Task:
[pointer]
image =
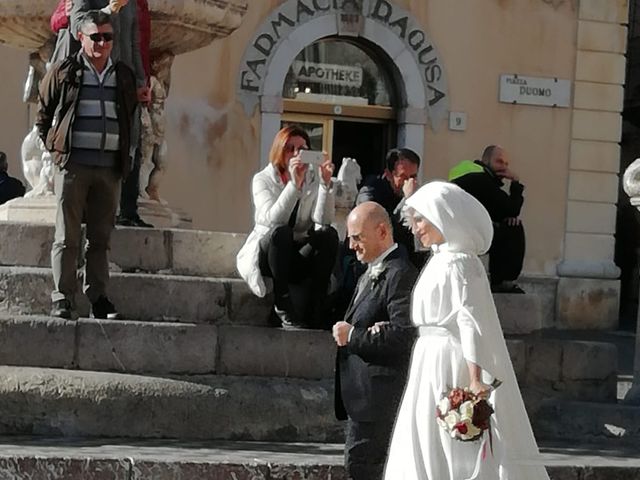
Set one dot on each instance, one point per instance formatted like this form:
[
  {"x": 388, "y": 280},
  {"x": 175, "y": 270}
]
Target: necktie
[{"x": 362, "y": 284}]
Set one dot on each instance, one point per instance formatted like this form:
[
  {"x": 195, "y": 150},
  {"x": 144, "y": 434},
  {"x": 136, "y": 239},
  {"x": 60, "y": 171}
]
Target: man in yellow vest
[{"x": 484, "y": 180}]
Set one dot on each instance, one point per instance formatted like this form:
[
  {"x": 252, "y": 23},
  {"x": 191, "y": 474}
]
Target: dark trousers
[
  {"x": 366, "y": 447},
  {"x": 130, "y": 190},
  {"x": 506, "y": 254},
  {"x": 290, "y": 261},
  {"x": 92, "y": 192}
]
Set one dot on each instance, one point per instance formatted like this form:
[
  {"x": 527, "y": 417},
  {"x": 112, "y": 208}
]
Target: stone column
[
  {"x": 589, "y": 289},
  {"x": 271, "y": 108},
  {"x": 411, "y": 126},
  {"x": 631, "y": 186}
]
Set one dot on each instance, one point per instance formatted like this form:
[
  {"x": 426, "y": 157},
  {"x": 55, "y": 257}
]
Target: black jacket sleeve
[
  {"x": 498, "y": 203},
  {"x": 395, "y": 339},
  {"x": 47, "y": 102}
]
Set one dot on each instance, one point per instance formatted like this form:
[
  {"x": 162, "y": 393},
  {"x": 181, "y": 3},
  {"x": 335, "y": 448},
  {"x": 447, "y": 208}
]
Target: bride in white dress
[{"x": 460, "y": 344}]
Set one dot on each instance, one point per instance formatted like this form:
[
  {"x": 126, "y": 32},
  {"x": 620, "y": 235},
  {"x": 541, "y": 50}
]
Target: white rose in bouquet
[
  {"x": 472, "y": 430},
  {"x": 444, "y": 405},
  {"x": 451, "y": 420},
  {"x": 466, "y": 410}
]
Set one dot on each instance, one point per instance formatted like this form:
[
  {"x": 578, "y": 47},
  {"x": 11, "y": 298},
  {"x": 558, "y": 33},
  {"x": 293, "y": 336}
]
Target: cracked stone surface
[{"x": 97, "y": 459}]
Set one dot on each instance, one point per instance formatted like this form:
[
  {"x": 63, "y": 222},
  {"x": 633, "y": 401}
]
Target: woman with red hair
[{"x": 292, "y": 240}]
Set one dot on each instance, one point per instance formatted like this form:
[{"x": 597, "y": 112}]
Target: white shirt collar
[
  {"x": 104, "y": 72},
  {"x": 382, "y": 256}
]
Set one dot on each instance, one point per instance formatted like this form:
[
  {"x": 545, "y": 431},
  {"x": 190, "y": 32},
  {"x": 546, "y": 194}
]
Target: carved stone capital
[
  {"x": 631, "y": 180},
  {"x": 177, "y": 26}
]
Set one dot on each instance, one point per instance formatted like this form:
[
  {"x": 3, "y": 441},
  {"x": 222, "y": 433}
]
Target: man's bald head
[
  {"x": 369, "y": 231},
  {"x": 371, "y": 213},
  {"x": 497, "y": 159}
]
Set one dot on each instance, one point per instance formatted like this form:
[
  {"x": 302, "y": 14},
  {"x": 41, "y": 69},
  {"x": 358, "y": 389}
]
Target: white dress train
[{"x": 457, "y": 320}]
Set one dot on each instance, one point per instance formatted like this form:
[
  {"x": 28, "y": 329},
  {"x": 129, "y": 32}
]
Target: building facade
[{"x": 543, "y": 78}]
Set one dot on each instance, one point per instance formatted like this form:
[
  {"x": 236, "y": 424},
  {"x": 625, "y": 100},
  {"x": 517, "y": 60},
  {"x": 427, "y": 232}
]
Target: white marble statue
[
  {"x": 37, "y": 165},
  {"x": 349, "y": 176},
  {"x": 631, "y": 179},
  {"x": 153, "y": 146},
  {"x": 346, "y": 188}
]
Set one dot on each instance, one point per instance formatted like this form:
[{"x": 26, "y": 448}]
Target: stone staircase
[
  {"x": 596, "y": 421},
  {"x": 196, "y": 360},
  {"x": 126, "y": 459}
]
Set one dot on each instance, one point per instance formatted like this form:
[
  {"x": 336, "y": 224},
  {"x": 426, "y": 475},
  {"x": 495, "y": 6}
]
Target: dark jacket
[
  {"x": 377, "y": 189},
  {"x": 371, "y": 370},
  {"x": 57, "y": 106},
  {"x": 10, "y": 188},
  {"x": 486, "y": 187}
]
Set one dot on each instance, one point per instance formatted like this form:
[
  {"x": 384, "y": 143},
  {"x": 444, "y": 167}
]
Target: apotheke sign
[
  {"x": 373, "y": 20},
  {"x": 328, "y": 74},
  {"x": 549, "y": 92}
]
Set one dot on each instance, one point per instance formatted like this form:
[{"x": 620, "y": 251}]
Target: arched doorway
[
  {"x": 405, "y": 50},
  {"x": 341, "y": 92}
]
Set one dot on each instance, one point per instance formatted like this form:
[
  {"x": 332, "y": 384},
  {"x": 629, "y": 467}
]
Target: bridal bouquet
[{"x": 463, "y": 415}]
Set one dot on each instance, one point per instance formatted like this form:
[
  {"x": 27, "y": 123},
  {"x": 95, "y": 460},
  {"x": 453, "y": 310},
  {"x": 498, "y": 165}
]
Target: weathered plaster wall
[{"x": 214, "y": 146}]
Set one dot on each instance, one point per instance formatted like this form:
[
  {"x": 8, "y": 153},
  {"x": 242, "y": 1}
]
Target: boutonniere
[{"x": 375, "y": 273}]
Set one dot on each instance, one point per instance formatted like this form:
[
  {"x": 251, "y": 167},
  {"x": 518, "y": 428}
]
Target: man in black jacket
[
  {"x": 391, "y": 188},
  {"x": 9, "y": 187},
  {"x": 484, "y": 180},
  {"x": 375, "y": 340}
]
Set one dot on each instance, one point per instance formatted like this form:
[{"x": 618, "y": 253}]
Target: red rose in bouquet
[
  {"x": 482, "y": 412},
  {"x": 456, "y": 397}
]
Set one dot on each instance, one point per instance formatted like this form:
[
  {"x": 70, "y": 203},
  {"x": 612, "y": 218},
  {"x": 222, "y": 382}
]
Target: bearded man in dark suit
[{"x": 374, "y": 340}]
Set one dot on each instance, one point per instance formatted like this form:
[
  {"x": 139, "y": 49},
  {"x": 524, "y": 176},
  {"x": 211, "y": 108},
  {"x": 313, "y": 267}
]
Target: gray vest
[{"x": 95, "y": 137}]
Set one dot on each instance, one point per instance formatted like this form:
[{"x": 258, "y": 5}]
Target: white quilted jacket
[{"x": 273, "y": 203}]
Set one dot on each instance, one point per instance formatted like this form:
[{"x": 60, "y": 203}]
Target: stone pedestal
[
  {"x": 43, "y": 210},
  {"x": 30, "y": 210},
  {"x": 588, "y": 303},
  {"x": 161, "y": 216}
]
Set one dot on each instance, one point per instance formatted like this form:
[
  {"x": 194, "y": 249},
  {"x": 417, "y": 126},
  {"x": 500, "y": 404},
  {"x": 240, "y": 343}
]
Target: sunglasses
[
  {"x": 289, "y": 148},
  {"x": 98, "y": 37}
]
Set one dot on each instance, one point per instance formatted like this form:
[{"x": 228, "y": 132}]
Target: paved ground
[{"x": 256, "y": 453}]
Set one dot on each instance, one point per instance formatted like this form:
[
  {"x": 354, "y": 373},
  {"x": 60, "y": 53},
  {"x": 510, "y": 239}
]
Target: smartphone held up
[{"x": 312, "y": 157}]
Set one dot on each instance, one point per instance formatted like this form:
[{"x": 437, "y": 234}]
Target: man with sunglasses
[
  {"x": 84, "y": 118},
  {"x": 127, "y": 16}
]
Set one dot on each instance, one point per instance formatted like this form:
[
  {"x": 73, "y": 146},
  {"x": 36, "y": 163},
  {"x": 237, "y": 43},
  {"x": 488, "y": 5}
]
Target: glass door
[
  {"x": 365, "y": 139},
  {"x": 320, "y": 129}
]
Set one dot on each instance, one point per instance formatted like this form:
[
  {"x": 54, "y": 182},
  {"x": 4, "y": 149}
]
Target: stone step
[
  {"x": 172, "y": 251},
  {"x": 164, "y": 297},
  {"x": 165, "y": 348},
  {"x": 139, "y": 296},
  {"x": 546, "y": 289},
  {"x": 625, "y": 382},
  {"x": 58, "y": 402},
  {"x": 212, "y": 254},
  {"x": 126, "y": 459},
  {"x": 519, "y": 313},
  {"x": 572, "y": 369},
  {"x": 611, "y": 423}
]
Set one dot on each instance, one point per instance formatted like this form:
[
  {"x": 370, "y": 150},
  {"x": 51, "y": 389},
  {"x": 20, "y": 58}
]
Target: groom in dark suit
[{"x": 374, "y": 341}]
